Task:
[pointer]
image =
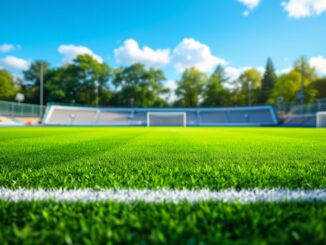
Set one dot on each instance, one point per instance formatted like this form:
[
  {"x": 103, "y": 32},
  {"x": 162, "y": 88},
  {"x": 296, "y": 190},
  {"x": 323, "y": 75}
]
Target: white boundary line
[{"x": 163, "y": 195}]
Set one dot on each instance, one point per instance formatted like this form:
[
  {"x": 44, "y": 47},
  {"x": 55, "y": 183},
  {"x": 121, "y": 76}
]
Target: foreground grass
[
  {"x": 139, "y": 223},
  {"x": 214, "y": 158},
  {"x": 176, "y": 158}
]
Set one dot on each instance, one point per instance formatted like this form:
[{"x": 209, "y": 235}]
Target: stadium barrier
[
  {"x": 13, "y": 109},
  {"x": 235, "y": 116},
  {"x": 301, "y": 114},
  {"x": 302, "y": 109},
  {"x": 18, "y": 114}
]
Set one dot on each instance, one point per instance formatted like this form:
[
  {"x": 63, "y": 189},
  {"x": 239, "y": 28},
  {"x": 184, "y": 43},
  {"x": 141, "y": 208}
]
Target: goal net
[
  {"x": 321, "y": 119},
  {"x": 166, "y": 119}
]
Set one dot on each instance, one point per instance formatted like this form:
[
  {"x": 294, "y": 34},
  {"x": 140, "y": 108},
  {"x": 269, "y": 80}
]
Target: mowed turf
[
  {"x": 155, "y": 158},
  {"x": 213, "y": 158}
]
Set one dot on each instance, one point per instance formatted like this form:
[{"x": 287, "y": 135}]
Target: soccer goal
[
  {"x": 321, "y": 119},
  {"x": 166, "y": 119}
]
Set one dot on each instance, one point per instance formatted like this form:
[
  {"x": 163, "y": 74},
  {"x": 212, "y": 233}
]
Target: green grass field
[{"x": 156, "y": 158}]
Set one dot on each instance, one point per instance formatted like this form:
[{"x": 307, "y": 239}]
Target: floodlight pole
[
  {"x": 96, "y": 91},
  {"x": 249, "y": 93},
  {"x": 41, "y": 90},
  {"x": 302, "y": 86}
]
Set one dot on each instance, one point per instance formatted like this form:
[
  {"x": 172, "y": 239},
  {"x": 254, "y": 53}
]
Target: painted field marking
[{"x": 163, "y": 195}]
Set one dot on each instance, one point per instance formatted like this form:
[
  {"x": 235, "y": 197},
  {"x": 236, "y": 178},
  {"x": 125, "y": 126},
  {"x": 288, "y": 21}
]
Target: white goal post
[
  {"x": 166, "y": 119},
  {"x": 321, "y": 119}
]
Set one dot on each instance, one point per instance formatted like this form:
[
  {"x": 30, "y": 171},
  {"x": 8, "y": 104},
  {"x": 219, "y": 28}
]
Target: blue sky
[{"x": 177, "y": 34}]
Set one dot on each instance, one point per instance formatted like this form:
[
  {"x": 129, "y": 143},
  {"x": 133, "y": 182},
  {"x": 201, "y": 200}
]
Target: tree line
[{"x": 88, "y": 82}]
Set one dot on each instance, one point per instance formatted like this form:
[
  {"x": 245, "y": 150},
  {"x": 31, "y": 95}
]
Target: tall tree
[
  {"x": 214, "y": 93},
  {"x": 31, "y": 87},
  {"x": 221, "y": 74},
  {"x": 190, "y": 87},
  {"x": 56, "y": 88},
  {"x": 139, "y": 86},
  {"x": 7, "y": 86},
  {"x": 248, "y": 87},
  {"x": 268, "y": 82},
  {"x": 286, "y": 88},
  {"x": 308, "y": 75},
  {"x": 84, "y": 81},
  {"x": 320, "y": 87},
  {"x": 302, "y": 66},
  {"x": 88, "y": 79}
]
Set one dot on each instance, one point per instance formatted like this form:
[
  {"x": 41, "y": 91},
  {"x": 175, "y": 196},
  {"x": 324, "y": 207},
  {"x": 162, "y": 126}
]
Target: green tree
[
  {"x": 31, "y": 86},
  {"x": 287, "y": 87},
  {"x": 8, "y": 89},
  {"x": 190, "y": 87},
  {"x": 55, "y": 87},
  {"x": 139, "y": 86},
  {"x": 302, "y": 66},
  {"x": 221, "y": 74},
  {"x": 214, "y": 93},
  {"x": 248, "y": 84},
  {"x": 308, "y": 75},
  {"x": 319, "y": 86},
  {"x": 268, "y": 82},
  {"x": 86, "y": 80}
]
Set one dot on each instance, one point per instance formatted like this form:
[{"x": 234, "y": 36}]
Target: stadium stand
[
  {"x": 138, "y": 118},
  {"x": 192, "y": 118},
  {"x": 8, "y": 121},
  {"x": 292, "y": 115},
  {"x": 236, "y": 116},
  {"x": 113, "y": 117}
]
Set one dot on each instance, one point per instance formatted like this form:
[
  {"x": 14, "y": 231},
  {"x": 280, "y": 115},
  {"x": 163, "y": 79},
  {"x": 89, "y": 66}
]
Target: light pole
[
  {"x": 41, "y": 90},
  {"x": 96, "y": 92},
  {"x": 249, "y": 93},
  {"x": 301, "y": 93},
  {"x": 302, "y": 83}
]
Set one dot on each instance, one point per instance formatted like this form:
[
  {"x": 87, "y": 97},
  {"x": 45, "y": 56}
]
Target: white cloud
[
  {"x": 304, "y": 8},
  {"x": 6, "y": 47},
  {"x": 70, "y": 52},
  {"x": 261, "y": 69},
  {"x": 234, "y": 73},
  {"x": 319, "y": 63},
  {"x": 172, "y": 86},
  {"x": 130, "y": 53},
  {"x": 191, "y": 53},
  {"x": 250, "y": 4},
  {"x": 285, "y": 70},
  {"x": 188, "y": 53},
  {"x": 12, "y": 62},
  {"x": 246, "y": 13}
]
